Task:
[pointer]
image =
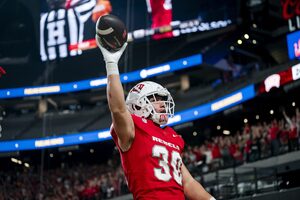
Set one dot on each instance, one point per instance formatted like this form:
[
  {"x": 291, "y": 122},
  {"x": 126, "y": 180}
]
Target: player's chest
[
  {"x": 162, "y": 157},
  {"x": 162, "y": 138}
]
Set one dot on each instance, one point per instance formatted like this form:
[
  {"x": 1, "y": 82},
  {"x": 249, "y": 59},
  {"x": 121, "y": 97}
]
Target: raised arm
[
  {"x": 287, "y": 118},
  {"x": 192, "y": 189},
  {"x": 121, "y": 118}
]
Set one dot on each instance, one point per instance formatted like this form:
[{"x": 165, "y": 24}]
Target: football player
[{"x": 150, "y": 151}]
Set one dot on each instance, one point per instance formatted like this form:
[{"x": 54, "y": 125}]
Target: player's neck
[{"x": 156, "y": 124}]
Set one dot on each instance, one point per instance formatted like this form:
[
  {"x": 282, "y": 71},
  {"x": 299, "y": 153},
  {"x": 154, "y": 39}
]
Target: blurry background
[{"x": 231, "y": 66}]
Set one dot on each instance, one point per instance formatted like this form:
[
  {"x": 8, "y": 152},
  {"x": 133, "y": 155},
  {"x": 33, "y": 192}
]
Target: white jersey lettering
[{"x": 156, "y": 139}]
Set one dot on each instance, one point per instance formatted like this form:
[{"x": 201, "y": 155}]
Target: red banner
[
  {"x": 290, "y": 8},
  {"x": 85, "y": 45},
  {"x": 276, "y": 80}
]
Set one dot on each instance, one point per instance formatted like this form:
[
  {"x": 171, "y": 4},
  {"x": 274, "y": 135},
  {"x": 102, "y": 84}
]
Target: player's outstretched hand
[{"x": 111, "y": 57}]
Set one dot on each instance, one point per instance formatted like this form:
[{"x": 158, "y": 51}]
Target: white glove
[{"x": 111, "y": 58}]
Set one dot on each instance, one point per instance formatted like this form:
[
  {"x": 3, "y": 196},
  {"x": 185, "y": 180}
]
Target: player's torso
[{"x": 152, "y": 165}]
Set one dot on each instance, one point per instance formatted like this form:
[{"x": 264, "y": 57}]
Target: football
[{"x": 111, "y": 32}]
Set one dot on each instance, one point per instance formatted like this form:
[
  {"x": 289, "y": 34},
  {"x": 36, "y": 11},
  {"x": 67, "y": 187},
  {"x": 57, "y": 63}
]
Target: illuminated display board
[
  {"x": 293, "y": 44},
  {"x": 67, "y": 28}
]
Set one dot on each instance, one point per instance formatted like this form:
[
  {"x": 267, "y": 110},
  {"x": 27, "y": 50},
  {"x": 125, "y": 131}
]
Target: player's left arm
[{"x": 193, "y": 190}]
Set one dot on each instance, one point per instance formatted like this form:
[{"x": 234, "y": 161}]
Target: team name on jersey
[{"x": 165, "y": 143}]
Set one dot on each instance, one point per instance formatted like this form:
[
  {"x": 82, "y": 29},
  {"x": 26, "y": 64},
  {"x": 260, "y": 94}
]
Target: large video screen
[
  {"x": 293, "y": 44},
  {"x": 67, "y": 27}
]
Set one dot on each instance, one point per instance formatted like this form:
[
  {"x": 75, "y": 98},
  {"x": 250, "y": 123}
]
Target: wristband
[
  {"x": 212, "y": 198},
  {"x": 112, "y": 68}
]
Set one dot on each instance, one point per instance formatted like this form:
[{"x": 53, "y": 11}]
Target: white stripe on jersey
[
  {"x": 61, "y": 13},
  {"x": 86, "y": 6},
  {"x": 51, "y": 16},
  {"x": 73, "y": 29},
  {"x": 43, "y": 54}
]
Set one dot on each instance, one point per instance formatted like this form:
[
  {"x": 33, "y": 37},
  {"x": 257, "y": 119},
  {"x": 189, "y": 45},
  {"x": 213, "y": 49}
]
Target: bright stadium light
[
  {"x": 226, "y": 132},
  {"x": 14, "y": 160}
]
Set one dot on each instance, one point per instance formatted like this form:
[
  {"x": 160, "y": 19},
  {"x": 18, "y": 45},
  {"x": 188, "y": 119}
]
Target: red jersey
[
  {"x": 161, "y": 12},
  {"x": 273, "y": 132},
  {"x": 152, "y": 165}
]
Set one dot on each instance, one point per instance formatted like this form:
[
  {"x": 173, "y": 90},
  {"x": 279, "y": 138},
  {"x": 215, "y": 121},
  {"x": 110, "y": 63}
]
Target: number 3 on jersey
[{"x": 163, "y": 173}]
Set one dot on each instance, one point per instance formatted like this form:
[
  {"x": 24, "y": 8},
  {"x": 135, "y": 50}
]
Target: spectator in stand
[
  {"x": 197, "y": 153},
  {"x": 293, "y": 132},
  {"x": 247, "y": 146},
  {"x": 273, "y": 137},
  {"x": 191, "y": 158},
  {"x": 265, "y": 143},
  {"x": 216, "y": 154},
  {"x": 240, "y": 142},
  {"x": 206, "y": 152},
  {"x": 235, "y": 151},
  {"x": 225, "y": 152},
  {"x": 246, "y": 142},
  {"x": 283, "y": 136},
  {"x": 255, "y": 150}
]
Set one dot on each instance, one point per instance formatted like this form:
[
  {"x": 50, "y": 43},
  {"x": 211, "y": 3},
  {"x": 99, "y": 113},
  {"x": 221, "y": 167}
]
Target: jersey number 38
[{"x": 163, "y": 173}]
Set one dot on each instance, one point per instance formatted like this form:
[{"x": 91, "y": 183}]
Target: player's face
[
  {"x": 158, "y": 103},
  {"x": 159, "y": 106}
]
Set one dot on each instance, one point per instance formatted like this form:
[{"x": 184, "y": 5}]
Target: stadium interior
[{"x": 246, "y": 149}]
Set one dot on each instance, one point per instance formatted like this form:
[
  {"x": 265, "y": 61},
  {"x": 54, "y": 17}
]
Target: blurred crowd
[
  {"x": 93, "y": 182},
  {"x": 87, "y": 182},
  {"x": 251, "y": 143}
]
